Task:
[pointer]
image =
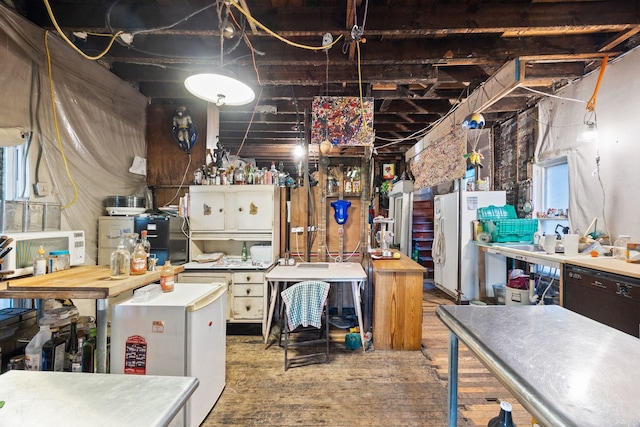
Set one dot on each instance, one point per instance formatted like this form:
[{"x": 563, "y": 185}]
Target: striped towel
[{"x": 304, "y": 302}]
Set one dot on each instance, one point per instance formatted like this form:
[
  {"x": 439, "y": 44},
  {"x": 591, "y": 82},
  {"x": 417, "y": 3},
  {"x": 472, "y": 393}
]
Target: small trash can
[{"x": 500, "y": 293}]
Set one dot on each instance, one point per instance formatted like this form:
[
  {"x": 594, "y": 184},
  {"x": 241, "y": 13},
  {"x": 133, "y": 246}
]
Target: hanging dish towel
[{"x": 304, "y": 302}]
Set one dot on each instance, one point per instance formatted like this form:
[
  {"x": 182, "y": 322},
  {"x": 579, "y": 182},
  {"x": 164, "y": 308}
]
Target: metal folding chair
[{"x": 305, "y": 309}]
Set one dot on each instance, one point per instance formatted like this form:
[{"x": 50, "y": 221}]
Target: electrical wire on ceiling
[
  {"x": 277, "y": 36},
  {"x": 70, "y": 43}
]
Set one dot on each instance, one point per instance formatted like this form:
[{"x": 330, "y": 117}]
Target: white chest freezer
[{"x": 179, "y": 333}]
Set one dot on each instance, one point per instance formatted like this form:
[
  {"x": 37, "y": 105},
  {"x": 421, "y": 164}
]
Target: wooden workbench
[
  {"x": 83, "y": 282},
  {"x": 397, "y": 304}
]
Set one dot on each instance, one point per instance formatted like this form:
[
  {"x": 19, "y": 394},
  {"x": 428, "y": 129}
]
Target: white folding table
[{"x": 344, "y": 272}]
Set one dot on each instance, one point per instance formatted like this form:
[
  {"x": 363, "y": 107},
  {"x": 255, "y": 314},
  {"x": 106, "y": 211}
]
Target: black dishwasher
[{"x": 608, "y": 298}]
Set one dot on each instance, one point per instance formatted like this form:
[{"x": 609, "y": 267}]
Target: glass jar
[
  {"x": 129, "y": 240},
  {"x": 620, "y": 246},
  {"x": 120, "y": 262}
]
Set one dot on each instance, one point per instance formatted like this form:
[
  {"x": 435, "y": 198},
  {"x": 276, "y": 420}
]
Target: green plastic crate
[{"x": 503, "y": 224}]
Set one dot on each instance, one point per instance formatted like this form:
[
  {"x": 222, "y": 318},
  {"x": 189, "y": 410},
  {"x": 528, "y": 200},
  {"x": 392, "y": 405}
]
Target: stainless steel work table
[
  {"x": 564, "y": 368},
  {"x": 78, "y": 399}
]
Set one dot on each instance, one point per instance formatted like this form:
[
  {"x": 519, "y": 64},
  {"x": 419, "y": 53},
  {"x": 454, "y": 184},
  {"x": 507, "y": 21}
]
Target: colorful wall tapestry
[
  {"x": 343, "y": 120},
  {"x": 441, "y": 160}
]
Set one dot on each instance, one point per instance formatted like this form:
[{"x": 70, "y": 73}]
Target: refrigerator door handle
[{"x": 207, "y": 299}]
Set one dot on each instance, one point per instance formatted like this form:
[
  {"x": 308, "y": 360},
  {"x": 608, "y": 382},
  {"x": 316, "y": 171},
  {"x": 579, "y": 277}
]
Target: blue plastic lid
[{"x": 54, "y": 253}]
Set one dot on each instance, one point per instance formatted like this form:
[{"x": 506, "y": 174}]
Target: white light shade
[
  {"x": 588, "y": 133},
  {"x": 219, "y": 89}
]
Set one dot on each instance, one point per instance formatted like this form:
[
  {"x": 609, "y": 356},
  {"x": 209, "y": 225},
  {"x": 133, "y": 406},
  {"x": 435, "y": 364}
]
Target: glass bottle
[
  {"x": 71, "y": 347},
  {"x": 239, "y": 176},
  {"x": 356, "y": 188},
  {"x": 146, "y": 244},
  {"x": 120, "y": 262},
  {"x": 139, "y": 260},
  {"x": 167, "y": 277},
  {"x": 504, "y": 418},
  {"x": 250, "y": 175},
  {"x": 76, "y": 359},
  {"x": 244, "y": 251},
  {"x": 53, "y": 352},
  {"x": 273, "y": 174},
  {"x": 88, "y": 352},
  {"x": 40, "y": 263}
]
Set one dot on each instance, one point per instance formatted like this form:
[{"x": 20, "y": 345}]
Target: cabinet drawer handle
[
  {"x": 239, "y": 209},
  {"x": 248, "y": 278},
  {"x": 248, "y": 291},
  {"x": 221, "y": 210},
  {"x": 248, "y": 307}
]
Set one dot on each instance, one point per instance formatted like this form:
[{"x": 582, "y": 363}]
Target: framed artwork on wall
[{"x": 388, "y": 170}]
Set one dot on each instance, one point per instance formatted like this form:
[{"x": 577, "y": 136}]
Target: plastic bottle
[
  {"x": 33, "y": 350},
  {"x": 245, "y": 256},
  {"x": 53, "y": 352},
  {"x": 139, "y": 260},
  {"x": 503, "y": 419},
  {"x": 40, "y": 263},
  {"x": 120, "y": 262},
  {"x": 167, "y": 278},
  {"x": 620, "y": 246}
]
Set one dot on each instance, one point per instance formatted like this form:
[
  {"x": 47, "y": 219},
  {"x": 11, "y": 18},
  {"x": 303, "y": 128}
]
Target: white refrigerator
[
  {"x": 179, "y": 333},
  {"x": 453, "y": 247}
]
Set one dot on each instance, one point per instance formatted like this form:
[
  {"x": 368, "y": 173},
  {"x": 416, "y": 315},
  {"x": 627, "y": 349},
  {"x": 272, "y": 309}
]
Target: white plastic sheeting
[
  {"x": 101, "y": 120},
  {"x": 617, "y": 107}
]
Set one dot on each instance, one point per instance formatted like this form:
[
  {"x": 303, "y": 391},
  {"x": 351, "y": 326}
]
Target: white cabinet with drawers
[{"x": 246, "y": 302}]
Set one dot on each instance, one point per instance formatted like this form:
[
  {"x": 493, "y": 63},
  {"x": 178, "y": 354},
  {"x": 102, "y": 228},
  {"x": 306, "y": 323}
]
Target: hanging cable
[
  {"x": 55, "y": 121},
  {"x": 591, "y": 105},
  {"x": 186, "y": 170},
  {"x": 70, "y": 43},
  {"x": 279, "y": 37}
]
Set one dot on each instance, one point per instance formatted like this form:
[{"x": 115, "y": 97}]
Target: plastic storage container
[
  {"x": 503, "y": 224},
  {"x": 500, "y": 292},
  {"x": 58, "y": 261}
]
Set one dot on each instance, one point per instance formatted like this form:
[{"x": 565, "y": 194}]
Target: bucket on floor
[
  {"x": 517, "y": 296},
  {"x": 499, "y": 293}
]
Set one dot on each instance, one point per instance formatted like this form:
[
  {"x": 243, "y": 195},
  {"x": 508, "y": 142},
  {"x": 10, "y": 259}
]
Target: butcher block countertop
[
  {"x": 86, "y": 281},
  {"x": 403, "y": 264}
]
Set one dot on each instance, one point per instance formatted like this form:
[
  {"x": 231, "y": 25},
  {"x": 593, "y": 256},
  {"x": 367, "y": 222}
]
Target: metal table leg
[
  {"x": 102, "y": 308},
  {"x": 453, "y": 380}
]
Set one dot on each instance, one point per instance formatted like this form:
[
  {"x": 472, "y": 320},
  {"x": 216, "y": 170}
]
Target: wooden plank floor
[{"x": 377, "y": 388}]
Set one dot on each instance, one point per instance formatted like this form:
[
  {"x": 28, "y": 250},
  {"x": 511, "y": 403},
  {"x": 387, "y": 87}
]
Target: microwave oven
[{"x": 24, "y": 249}]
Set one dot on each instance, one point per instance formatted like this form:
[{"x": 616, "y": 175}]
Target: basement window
[
  {"x": 552, "y": 194},
  {"x": 15, "y": 176}
]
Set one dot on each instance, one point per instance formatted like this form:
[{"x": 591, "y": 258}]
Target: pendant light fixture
[{"x": 220, "y": 87}]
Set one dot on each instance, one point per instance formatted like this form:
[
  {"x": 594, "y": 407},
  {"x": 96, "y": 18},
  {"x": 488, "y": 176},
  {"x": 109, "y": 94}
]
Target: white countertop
[
  {"x": 39, "y": 398},
  {"x": 601, "y": 263}
]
